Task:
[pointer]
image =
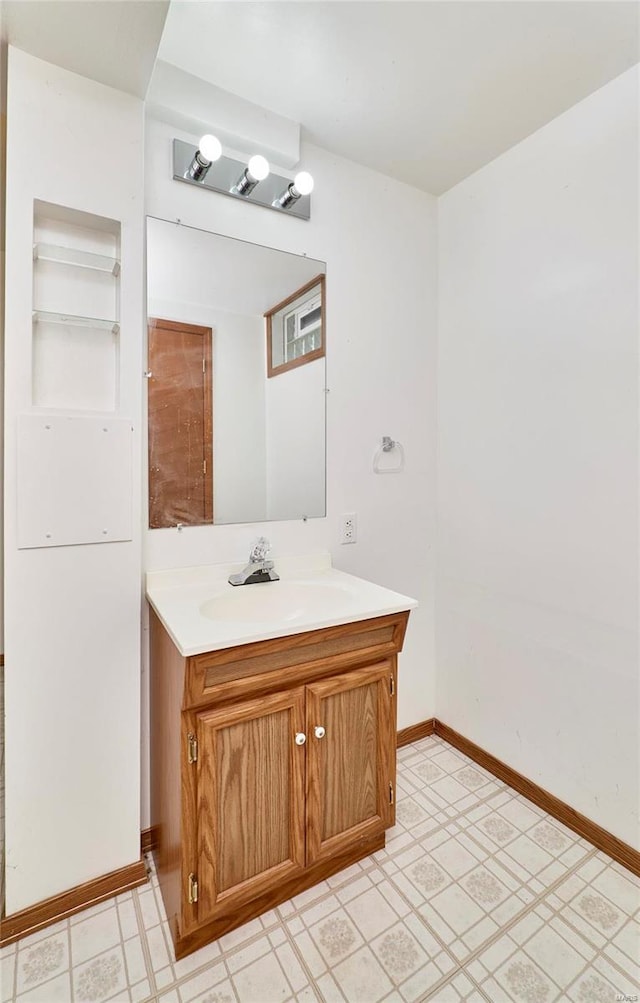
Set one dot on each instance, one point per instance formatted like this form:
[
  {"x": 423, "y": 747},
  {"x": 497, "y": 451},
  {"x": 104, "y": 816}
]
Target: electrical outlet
[{"x": 349, "y": 527}]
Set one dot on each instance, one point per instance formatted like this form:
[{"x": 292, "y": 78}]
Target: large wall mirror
[{"x": 236, "y": 340}]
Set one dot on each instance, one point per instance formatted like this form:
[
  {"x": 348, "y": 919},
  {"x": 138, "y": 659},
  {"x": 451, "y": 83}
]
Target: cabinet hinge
[
  {"x": 193, "y": 889},
  {"x": 392, "y": 685},
  {"x": 390, "y": 793},
  {"x": 192, "y": 748}
]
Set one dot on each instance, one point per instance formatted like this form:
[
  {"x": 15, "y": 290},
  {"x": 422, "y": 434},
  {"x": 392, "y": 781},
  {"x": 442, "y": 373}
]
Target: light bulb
[
  {"x": 258, "y": 167},
  {"x": 210, "y": 147},
  {"x": 303, "y": 183}
]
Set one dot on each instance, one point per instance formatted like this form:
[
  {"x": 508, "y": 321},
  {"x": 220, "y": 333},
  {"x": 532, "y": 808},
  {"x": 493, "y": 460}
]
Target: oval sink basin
[{"x": 270, "y": 602}]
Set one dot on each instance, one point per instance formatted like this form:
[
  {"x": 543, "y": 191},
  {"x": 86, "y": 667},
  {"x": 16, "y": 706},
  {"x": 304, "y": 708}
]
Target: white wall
[
  {"x": 3, "y": 132},
  {"x": 538, "y": 458},
  {"x": 378, "y": 239},
  {"x": 295, "y": 436},
  {"x": 72, "y": 630}
]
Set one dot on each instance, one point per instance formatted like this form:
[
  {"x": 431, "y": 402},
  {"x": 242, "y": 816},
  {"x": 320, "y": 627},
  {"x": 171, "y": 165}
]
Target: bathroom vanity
[{"x": 273, "y": 717}]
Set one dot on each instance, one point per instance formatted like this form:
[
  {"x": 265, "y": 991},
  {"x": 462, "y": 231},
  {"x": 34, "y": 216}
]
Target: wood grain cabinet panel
[
  {"x": 350, "y": 771},
  {"x": 250, "y": 799},
  {"x": 244, "y": 816}
]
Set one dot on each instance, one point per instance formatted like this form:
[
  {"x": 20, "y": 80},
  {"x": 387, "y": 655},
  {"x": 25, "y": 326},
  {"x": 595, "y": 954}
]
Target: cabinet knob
[
  {"x": 319, "y": 731},
  {"x": 301, "y": 738}
]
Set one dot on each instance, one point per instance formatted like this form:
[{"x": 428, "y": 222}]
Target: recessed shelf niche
[{"x": 76, "y": 309}]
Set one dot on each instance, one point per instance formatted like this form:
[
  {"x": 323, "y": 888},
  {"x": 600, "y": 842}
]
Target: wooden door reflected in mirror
[{"x": 180, "y": 424}]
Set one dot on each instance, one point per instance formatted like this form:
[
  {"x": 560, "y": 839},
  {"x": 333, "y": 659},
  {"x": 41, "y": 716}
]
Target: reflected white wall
[{"x": 295, "y": 437}]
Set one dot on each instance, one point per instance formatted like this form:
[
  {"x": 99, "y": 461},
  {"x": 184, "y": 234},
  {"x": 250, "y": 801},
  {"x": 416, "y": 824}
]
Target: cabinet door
[
  {"x": 249, "y": 799},
  {"x": 351, "y": 768}
]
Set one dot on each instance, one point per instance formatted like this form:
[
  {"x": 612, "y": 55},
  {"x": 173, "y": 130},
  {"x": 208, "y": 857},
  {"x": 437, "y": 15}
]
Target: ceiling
[
  {"x": 112, "y": 41},
  {"x": 426, "y": 92}
]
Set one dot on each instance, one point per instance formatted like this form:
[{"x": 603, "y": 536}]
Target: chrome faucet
[{"x": 259, "y": 569}]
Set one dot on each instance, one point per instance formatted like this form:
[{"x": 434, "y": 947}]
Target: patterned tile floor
[{"x": 478, "y": 895}]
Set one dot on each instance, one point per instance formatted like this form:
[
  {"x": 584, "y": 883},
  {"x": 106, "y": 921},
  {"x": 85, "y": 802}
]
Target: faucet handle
[{"x": 259, "y": 550}]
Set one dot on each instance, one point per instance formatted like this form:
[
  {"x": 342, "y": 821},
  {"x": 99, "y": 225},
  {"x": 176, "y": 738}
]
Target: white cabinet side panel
[{"x": 72, "y": 613}]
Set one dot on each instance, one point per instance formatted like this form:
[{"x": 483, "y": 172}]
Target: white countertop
[{"x": 202, "y": 612}]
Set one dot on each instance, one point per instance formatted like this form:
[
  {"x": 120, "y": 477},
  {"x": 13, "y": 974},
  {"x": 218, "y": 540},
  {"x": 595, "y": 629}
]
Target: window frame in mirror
[{"x": 275, "y": 318}]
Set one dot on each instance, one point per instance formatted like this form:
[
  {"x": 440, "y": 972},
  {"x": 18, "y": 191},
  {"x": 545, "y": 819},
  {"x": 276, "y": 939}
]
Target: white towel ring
[{"x": 389, "y": 445}]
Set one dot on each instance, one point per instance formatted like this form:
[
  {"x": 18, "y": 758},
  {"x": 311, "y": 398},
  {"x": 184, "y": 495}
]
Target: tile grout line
[
  {"x": 122, "y": 948},
  {"x": 505, "y": 866},
  {"x": 279, "y": 922},
  {"x": 436, "y": 936},
  {"x": 449, "y": 979},
  {"x": 143, "y": 939},
  {"x": 482, "y": 863},
  {"x": 458, "y": 965},
  {"x": 101, "y": 950},
  {"x": 461, "y": 964},
  {"x": 15, "y": 972},
  {"x": 230, "y": 979},
  {"x": 539, "y": 900},
  {"x": 50, "y": 977},
  {"x": 484, "y": 801},
  {"x": 303, "y": 964},
  {"x": 283, "y": 923},
  {"x": 274, "y": 950},
  {"x": 556, "y": 913},
  {"x": 458, "y": 813},
  {"x": 541, "y": 896},
  {"x": 71, "y": 979},
  {"x": 588, "y": 964},
  {"x": 221, "y": 959},
  {"x": 312, "y": 979}
]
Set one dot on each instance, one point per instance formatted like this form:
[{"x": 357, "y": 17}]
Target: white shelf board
[
  {"x": 74, "y": 320},
  {"x": 75, "y": 256}
]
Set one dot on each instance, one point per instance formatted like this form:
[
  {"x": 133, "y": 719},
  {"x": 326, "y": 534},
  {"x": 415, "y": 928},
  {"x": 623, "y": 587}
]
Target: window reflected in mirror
[
  {"x": 295, "y": 328},
  {"x": 227, "y": 443}
]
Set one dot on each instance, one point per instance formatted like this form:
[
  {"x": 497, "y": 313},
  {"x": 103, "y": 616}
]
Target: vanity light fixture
[
  {"x": 301, "y": 185},
  {"x": 251, "y": 181},
  {"x": 209, "y": 149},
  {"x": 256, "y": 170}
]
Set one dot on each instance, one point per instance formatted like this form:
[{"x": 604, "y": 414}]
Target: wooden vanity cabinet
[{"x": 273, "y": 766}]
